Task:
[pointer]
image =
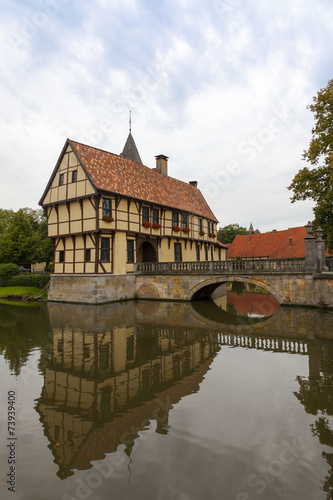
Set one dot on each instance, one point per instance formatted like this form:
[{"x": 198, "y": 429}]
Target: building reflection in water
[
  {"x": 105, "y": 383},
  {"x": 116, "y": 369},
  {"x": 248, "y": 300},
  {"x": 316, "y": 395}
]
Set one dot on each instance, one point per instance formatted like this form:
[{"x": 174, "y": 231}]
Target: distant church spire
[{"x": 130, "y": 150}]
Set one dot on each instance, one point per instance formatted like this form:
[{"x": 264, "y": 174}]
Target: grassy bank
[{"x": 21, "y": 293}]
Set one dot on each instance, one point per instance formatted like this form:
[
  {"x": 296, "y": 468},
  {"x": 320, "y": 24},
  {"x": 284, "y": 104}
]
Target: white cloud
[{"x": 207, "y": 88}]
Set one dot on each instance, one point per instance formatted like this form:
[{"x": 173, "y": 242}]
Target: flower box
[
  {"x": 186, "y": 229},
  {"x": 146, "y": 224},
  {"x": 176, "y": 228},
  {"x": 202, "y": 233},
  {"x": 157, "y": 226},
  {"x": 212, "y": 235},
  {"x": 108, "y": 218}
]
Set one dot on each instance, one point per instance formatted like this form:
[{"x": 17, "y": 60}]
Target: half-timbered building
[{"x": 106, "y": 212}]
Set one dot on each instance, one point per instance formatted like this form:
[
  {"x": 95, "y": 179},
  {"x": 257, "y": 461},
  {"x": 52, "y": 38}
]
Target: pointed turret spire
[{"x": 130, "y": 150}]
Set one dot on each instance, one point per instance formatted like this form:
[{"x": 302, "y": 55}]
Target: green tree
[
  {"x": 19, "y": 243},
  {"x": 6, "y": 217},
  {"x": 36, "y": 217},
  {"x": 227, "y": 234},
  {"x": 23, "y": 237},
  {"x": 45, "y": 251},
  {"x": 316, "y": 183}
]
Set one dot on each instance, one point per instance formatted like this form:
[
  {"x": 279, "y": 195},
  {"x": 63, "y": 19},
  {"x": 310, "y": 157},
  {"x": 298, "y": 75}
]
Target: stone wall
[{"x": 92, "y": 289}]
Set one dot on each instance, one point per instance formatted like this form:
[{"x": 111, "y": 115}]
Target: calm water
[{"x": 153, "y": 400}]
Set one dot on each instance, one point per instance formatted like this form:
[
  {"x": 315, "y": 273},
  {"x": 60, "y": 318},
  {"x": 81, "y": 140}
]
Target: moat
[{"x": 162, "y": 400}]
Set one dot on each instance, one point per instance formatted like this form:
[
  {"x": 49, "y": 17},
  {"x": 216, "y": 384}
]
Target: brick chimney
[
  {"x": 194, "y": 183},
  {"x": 162, "y": 165}
]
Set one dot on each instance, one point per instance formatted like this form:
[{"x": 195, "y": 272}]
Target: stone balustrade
[{"x": 217, "y": 267}]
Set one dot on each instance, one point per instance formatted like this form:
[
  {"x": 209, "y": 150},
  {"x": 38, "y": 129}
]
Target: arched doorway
[{"x": 147, "y": 252}]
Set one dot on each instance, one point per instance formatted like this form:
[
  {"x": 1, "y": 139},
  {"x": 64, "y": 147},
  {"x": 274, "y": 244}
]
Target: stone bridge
[{"x": 288, "y": 280}]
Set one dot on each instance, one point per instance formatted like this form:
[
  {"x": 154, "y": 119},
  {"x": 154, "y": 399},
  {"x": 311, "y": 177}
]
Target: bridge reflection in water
[{"x": 116, "y": 369}]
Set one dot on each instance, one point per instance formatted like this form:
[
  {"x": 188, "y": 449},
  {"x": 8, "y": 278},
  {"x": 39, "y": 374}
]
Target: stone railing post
[
  {"x": 310, "y": 249},
  {"x": 230, "y": 265},
  {"x": 320, "y": 250}
]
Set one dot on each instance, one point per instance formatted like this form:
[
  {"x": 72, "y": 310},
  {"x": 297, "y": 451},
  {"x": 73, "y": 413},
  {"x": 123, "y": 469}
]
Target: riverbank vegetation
[
  {"x": 23, "y": 241},
  {"x": 24, "y": 287},
  {"x": 23, "y": 237}
]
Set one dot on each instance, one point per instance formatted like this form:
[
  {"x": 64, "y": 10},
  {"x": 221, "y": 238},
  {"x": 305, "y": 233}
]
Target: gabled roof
[
  {"x": 286, "y": 244},
  {"x": 130, "y": 150},
  {"x": 222, "y": 245},
  {"x": 115, "y": 174}
]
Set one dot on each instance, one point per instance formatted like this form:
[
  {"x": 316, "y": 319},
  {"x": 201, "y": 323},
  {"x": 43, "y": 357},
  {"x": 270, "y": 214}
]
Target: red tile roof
[
  {"x": 116, "y": 174},
  {"x": 286, "y": 244}
]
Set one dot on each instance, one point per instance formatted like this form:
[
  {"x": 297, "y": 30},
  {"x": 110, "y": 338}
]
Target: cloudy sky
[{"x": 219, "y": 86}]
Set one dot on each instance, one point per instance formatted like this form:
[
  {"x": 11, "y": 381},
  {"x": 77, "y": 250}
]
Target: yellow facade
[{"x": 96, "y": 232}]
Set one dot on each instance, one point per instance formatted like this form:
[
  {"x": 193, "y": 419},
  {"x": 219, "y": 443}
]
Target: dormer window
[{"x": 61, "y": 179}]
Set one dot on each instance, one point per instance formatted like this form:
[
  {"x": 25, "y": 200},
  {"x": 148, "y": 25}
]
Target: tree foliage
[
  {"x": 316, "y": 183},
  {"x": 5, "y": 219},
  {"x": 23, "y": 237},
  {"x": 227, "y": 234}
]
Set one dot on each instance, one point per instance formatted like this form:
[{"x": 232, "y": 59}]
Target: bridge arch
[{"x": 205, "y": 289}]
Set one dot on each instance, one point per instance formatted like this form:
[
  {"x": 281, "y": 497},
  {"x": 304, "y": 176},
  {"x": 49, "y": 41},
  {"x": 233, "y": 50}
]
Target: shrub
[
  {"x": 39, "y": 280},
  {"x": 7, "y": 271}
]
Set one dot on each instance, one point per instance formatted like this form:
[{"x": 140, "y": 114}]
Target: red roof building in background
[{"x": 286, "y": 244}]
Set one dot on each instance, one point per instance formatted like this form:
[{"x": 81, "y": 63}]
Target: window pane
[
  {"x": 88, "y": 255},
  {"x": 178, "y": 252},
  {"x": 145, "y": 214},
  {"x": 200, "y": 224},
  {"x": 74, "y": 176},
  {"x": 198, "y": 252},
  {"x": 175, "y": 219},
  {"x": 130, "y": 250},
  {"x": 155, "y": 216},
  {"x": 105, "y": 249},
  {"x": 61, "y": 179},
  {"x": 106, "y": 203},
  {"x": 184, "y": 220}
]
